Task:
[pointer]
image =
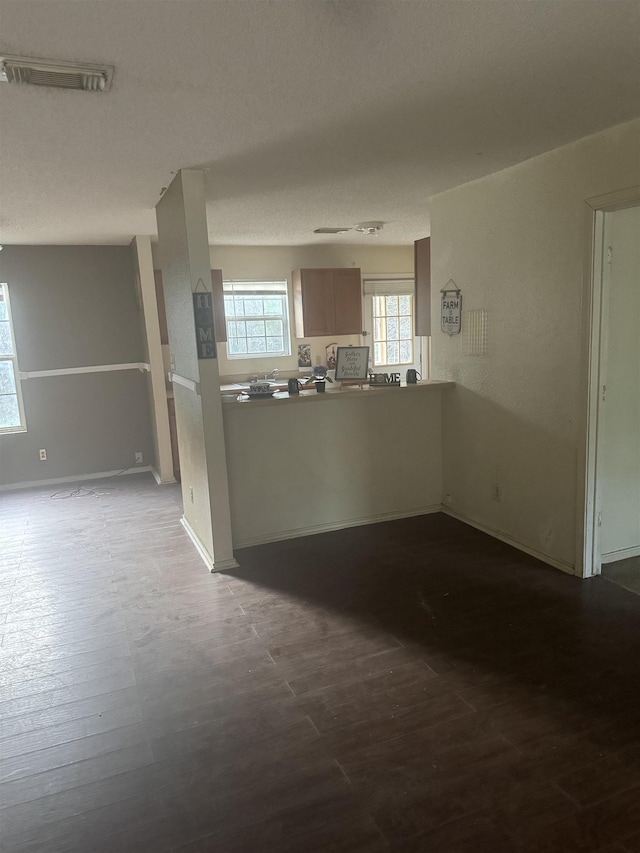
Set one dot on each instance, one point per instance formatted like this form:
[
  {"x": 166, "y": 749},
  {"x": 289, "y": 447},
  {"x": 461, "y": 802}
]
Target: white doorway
[
  {"x": 389, "y": 324},
  {"x": 612, "y": 459}
]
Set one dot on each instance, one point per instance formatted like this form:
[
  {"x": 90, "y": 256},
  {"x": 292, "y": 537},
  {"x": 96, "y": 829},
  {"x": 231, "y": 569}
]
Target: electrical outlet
[
  {"x": 448, "y": 500},
  {"x": 191, "y": 493},
  {"x": 496, "y": 492},
  {"x": 43, "y": 455},
  {"x": 138, "y": 457}
]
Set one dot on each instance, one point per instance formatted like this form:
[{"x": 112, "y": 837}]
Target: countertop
[{"x": 233, "y": 399}]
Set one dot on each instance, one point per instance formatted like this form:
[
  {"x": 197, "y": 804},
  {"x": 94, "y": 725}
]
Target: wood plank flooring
[{"x": 409, "y": 686}]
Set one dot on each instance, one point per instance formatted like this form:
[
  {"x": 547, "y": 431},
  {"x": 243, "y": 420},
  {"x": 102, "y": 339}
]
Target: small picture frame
[
  {"x": 304, "y": 355},
  {"x": 352, "y": 363}
]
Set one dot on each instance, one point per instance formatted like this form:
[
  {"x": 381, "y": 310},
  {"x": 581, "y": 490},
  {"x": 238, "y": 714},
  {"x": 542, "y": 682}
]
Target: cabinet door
[
  {"x": 422, "y": 264},
  {"x": 317, "y": 303},
  {"x": 347, "y": 298}
]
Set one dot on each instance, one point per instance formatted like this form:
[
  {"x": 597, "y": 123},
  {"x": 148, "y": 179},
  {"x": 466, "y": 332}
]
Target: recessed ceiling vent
[
  {"x": 328, "y": 230},
  {"x": 54, "y": 74}
]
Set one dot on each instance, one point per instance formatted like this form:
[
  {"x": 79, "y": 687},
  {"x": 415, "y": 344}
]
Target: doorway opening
[{"x": 611, "y": 509}]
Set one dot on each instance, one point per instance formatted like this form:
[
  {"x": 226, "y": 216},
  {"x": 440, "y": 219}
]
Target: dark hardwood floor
[{"x": 410, "y": 686}]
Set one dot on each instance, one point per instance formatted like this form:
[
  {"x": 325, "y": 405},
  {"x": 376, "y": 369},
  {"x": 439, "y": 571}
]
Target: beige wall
[
  {"x": 314, "y": 465},
  {"x": 619, "y": 462},
  {"x": 75, "y": 306},
  {"x": 514, "y": 243}
]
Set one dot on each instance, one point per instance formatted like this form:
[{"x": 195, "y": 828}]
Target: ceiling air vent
[{"x": 54, "y": 74}]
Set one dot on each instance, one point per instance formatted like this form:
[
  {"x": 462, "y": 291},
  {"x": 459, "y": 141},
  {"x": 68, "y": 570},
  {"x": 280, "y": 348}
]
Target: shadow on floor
[
  {"x": 624, "y": 573},
  {"x": 473, "y": 603}
]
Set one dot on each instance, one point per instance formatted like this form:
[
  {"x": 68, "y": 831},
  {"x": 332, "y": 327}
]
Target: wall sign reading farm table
[{"x": 451, "y": 308}]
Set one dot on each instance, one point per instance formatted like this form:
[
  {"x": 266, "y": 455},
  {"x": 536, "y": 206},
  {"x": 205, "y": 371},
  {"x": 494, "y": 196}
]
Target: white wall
[
  {"x": 619, "y": 462},
  {"x": 514, "y": 243},
  {"x": 318, "y": 464},
  {"x": 275, "y": 263}
]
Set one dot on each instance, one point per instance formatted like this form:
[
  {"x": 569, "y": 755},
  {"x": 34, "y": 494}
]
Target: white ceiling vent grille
[{"x": 55, "y": 75}]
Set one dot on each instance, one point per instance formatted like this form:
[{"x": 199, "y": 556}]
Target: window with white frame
[
  {"x": 11, "y": 408},
  {"x": 390, "y": 321},
  {"x": 257, "y": 319}
]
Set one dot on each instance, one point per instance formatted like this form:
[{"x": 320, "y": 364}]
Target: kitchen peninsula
[{"x": 316, "y": 462}]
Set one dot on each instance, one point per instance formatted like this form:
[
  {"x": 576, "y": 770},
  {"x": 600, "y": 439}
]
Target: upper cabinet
[
  {"x": 327, "y": 302},
  {"x": 422, "y": 267}
]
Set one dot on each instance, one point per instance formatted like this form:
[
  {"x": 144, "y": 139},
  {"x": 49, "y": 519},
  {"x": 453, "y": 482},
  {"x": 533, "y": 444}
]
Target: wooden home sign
[{"x": 203, "y": 316}]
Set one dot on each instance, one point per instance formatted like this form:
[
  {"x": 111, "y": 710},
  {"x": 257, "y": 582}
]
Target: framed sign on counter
[{"x": 352, "y": 363}]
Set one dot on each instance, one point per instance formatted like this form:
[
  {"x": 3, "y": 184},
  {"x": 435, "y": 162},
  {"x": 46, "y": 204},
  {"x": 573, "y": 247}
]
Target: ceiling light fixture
[
  {"x": 330, "y": 230},
  {"x": 55, "y": 74},
  {"x": 369, "y": 228}
]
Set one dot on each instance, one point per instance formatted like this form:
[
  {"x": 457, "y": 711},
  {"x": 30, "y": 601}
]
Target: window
[
  {"x": 11, "y": 409},
  {"x": 393, "y": 330},
  {"x": 257, "y": 318},
  {"x": 389, "y": 320}
]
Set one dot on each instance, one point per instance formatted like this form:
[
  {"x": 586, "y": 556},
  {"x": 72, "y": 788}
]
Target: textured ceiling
[{"x": 304, "y": 112}]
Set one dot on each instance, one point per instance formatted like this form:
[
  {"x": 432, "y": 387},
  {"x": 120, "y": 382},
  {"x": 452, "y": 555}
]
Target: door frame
[
  {"x": 593, "y": 370},
  {"x": 423, "y": 346}
]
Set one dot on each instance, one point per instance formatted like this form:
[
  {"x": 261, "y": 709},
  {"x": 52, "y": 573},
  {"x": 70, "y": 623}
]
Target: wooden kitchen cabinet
[
  {"x": 422, "y": 271},
  {"x": 327, "y": 302}
]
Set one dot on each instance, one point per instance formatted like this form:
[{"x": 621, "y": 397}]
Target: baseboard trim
[
  {"x": 312, "y": 530},
  {"x": 621, "y": 554},
  {"x": 98, "y": 475},
  {"x": 212, "y": 566},
  {"x": 159, "y": 479},
  {"x": 563, "y": 566}
]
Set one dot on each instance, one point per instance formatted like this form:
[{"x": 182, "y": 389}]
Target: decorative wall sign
[
  {"x": 352, "y": 363},
  {"x": 203, "y": 316},
  {"x": 451, "y": 308}
]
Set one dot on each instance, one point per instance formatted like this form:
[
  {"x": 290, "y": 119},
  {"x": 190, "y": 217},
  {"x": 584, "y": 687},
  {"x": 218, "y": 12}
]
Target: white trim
[
  {"x": 94, "y": 368},
  {"x": 621, "y": 554},
  {"x": 186, "y": 383},
  {"x": 563, "y": 565},
  {"x": 159, "y": 479},
  {"x": 22, "y": 426},
  {"x": 588, "y": 556},
  {"x": 313, "y": 529},
  {"x": 221, "y": 565},
  {"x": 225, "y": 565},
  {"x": 99, "y": 475}
]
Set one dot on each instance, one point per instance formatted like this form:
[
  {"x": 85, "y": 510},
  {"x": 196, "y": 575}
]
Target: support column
[
  {"x": 186, "y": 269},
  {"x": 143, "y": 264}
]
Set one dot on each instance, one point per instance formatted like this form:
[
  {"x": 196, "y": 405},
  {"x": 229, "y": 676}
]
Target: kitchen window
[
  {"x": 11, "y": 408},
  {"x": 257, "y": 319}
]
